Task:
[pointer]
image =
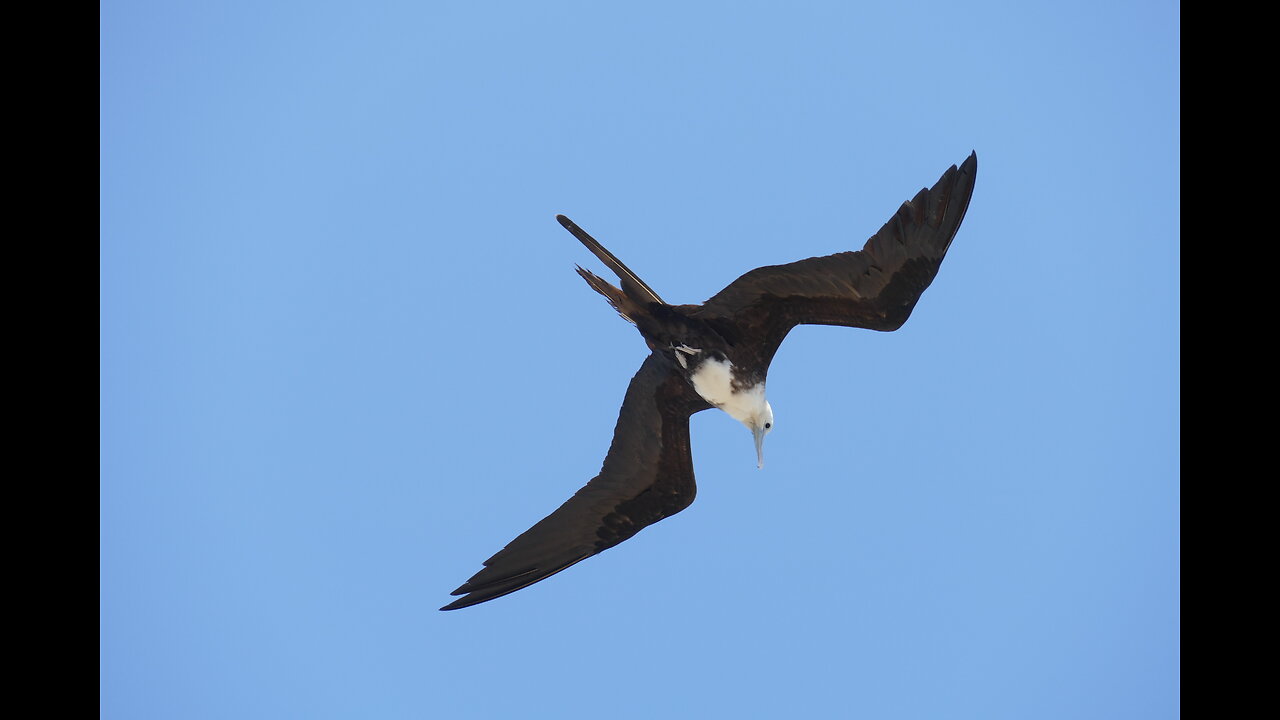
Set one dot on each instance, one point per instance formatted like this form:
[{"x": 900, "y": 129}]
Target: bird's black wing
[
  {"x": 876, "y": 287},
  {"x": 647, "y": 476}
]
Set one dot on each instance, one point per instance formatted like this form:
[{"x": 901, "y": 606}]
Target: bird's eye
[{"x": 768, "y": 425}]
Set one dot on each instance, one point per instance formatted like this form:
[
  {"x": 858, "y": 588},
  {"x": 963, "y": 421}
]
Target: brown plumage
[{"x": 648, "y": 472}]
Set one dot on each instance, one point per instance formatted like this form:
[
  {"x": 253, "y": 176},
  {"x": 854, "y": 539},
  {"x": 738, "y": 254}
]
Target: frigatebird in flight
[{"x": 717, "y": 355}]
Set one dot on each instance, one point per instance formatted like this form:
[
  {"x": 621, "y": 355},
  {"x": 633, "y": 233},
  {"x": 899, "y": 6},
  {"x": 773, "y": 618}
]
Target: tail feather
[
  {"x": 625, "y": 306},
  {"x": 634, "y": 288}
]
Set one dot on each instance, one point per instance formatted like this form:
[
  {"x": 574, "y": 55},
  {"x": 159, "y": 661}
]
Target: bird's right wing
[{"x": 647, "y": 476}]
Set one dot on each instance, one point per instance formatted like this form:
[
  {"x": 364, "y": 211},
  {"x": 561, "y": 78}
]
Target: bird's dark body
[{"x": 648, "y": 472}]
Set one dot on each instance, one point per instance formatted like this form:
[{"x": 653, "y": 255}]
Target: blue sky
[{"x": 345, "y": 358}]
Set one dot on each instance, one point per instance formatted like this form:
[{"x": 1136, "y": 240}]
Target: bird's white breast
[{"x": 713, "y": 379}]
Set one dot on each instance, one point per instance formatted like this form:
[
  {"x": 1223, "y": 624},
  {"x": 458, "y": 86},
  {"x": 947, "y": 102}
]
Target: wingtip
[{"x": 464, "y": 601}]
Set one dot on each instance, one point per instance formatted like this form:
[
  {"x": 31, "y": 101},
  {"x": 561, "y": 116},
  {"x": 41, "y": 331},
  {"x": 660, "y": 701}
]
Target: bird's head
[{"x": 717, "y": 383}]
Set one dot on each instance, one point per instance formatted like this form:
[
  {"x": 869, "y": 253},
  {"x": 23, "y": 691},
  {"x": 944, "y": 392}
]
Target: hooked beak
[{"x": 759, "y": 436}]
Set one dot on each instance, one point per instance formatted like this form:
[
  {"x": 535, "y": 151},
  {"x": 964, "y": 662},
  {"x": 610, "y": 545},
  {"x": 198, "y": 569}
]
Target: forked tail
[{"x": 634, "y": 290}]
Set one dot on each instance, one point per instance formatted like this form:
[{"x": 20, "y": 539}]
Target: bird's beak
[{"x": 759, "y": 435}]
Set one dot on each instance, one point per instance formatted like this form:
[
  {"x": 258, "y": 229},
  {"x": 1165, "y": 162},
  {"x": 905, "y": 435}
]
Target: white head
[
  {"x": 714, "y": 382},
  {"x": 751, "y": 409}
]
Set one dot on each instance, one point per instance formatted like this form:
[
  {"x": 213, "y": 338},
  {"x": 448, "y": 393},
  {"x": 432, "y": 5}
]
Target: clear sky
[{"x": 345, "y": 358}]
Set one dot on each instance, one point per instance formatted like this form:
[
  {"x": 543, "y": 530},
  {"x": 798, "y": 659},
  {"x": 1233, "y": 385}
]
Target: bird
[{"x": 717, "y": 355}]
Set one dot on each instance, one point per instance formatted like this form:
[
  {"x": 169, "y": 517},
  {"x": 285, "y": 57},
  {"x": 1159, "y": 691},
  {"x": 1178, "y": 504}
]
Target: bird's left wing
[
  {"x": 875, "y": 287},
  {"x": 647, "y": 476}
]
